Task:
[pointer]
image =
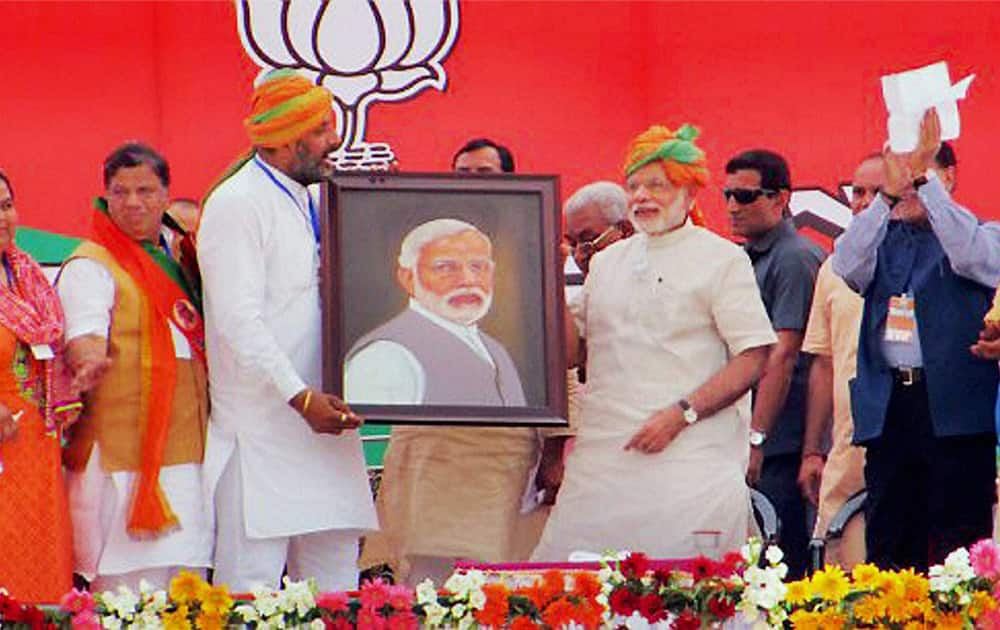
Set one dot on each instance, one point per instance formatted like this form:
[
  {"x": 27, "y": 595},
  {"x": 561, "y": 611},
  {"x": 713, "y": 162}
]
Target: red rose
[
  {"x": 623, "y": 602},
  {"x": 651, "y": 607},
  {"x": 635, "y": 565},
  {"x": 721, "y": 608},
  {"x": 687, "y": 620}
]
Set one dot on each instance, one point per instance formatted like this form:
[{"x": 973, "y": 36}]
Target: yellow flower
[
  {"x": 210, "y": 621},
  {"x": 896, "y": 607},
  {"x": 890, "y": 584},
  {"x": 798, "y": 592},
  {"x": 864, "y": 576},
  {"x": 915, "y": 586},
  {"x": 216, "y": 600},
  {"x": 830, "y": 583},
  {"x": 981, "y": 602},
  {"x": 176, "y": 620},
  {"x": 867, "y": 609},
  {"x": 949, "y": 621},
  {"x": 830, "y": 619},
  {"x": 187, "y": 587},
  {"x": 805, "y": 620}
]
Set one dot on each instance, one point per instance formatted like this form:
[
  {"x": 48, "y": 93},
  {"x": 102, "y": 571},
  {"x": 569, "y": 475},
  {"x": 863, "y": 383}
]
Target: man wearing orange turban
[
  {"x": 291, "y": 482},
  {"x": 676, "y": 333}
]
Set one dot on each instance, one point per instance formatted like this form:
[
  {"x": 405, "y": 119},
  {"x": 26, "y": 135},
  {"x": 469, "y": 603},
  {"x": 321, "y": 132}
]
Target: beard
[
  {"x": 310, "y": 169},
  {"x": 441, "y": 305},
  {"x": 665, "y": 220}
]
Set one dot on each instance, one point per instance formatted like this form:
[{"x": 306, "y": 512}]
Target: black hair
[
  {"x": 772, "y": 167},
  {"x": 945, "y": 156},
  {"x": 132, "y": 154},
  {"x": 506, "y": 157}
]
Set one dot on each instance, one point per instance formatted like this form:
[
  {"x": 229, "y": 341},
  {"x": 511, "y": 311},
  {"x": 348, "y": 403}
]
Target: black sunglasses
[{"x": 747, "y": 195}]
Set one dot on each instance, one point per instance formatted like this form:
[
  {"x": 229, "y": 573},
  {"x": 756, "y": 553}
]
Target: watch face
[
  {"x": 690, "y": 415},
  {"x": 756, "y": 438}
]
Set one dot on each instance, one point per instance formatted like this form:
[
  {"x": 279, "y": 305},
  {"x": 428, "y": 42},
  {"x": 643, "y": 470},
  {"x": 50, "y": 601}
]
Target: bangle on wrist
[{"x": 307, "y": 400}]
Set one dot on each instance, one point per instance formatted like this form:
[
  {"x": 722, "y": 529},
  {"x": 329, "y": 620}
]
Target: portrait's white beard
[
  {"x": 663, "y": 221},
  {"x": 440, "y": 305}
]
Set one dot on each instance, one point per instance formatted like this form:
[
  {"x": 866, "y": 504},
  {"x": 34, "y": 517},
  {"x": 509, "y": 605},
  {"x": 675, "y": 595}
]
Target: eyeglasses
[
  {"x": 747, "y": 195},
  {"x": 621, "y": 229}
]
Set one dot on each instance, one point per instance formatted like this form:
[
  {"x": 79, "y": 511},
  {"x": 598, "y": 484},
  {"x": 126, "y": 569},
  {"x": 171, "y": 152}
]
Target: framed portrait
[{"x": 443, "y": 298}]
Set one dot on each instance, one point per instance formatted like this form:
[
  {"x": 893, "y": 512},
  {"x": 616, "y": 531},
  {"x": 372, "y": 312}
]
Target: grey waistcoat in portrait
[{"x": 455, "y": 374}]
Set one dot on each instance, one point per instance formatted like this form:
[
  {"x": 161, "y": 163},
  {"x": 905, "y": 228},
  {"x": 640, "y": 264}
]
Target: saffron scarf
[
  {"x": 31, "y": 310},
  {"x": 168, "y": 299}
]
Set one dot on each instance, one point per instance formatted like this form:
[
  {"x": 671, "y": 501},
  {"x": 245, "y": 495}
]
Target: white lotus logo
[{"x": 362, "y": 51}]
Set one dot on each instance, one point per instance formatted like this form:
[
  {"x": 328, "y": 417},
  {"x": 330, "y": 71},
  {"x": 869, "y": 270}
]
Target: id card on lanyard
[
  {"x": 901, "y": 320},
  {"x": 313, "y": 215}
]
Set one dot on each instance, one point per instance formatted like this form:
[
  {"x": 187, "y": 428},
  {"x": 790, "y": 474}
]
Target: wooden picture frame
[{"x": 364, "y": 219}]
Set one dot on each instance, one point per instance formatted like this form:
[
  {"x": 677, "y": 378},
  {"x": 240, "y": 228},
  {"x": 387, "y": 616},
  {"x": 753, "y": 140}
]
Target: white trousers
[{"x": 241, "y": 562}]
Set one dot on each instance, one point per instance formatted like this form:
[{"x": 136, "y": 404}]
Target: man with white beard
[
  {"x": 447, "y": 492},
  {"x": 433, "y": 352},
  {"x": 676, "y": 334}
]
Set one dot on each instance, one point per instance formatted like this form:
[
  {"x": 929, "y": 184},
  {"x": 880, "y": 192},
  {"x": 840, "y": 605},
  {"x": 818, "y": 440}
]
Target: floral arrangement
[
  {"x": 709, "y": 594},
  {"x": 742, "y": 590}
]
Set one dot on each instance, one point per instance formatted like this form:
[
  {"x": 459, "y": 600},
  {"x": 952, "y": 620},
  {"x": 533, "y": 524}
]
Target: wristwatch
[
  {"x": 690, "y": 415},
  {"x": 757, "y": 438}
]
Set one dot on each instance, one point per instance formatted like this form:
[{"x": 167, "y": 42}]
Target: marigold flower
[
  {"x": 864, "y": 576},
  {"x": 830, "y": 583},
  {"x": 217, "y": 601},
  {"x": 585, "y": 584},
  {"x": 177, "y": 619},
  {"x": 187, "y": 587},
  {"x": 211, "y": 621},
  {"x": 494, "y": 612},
  {"x": 799, "y": 592},
  {"x": 867, "y": 609}
]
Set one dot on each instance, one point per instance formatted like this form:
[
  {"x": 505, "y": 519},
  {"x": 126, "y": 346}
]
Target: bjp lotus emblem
[{"x": 362, "y": 51}]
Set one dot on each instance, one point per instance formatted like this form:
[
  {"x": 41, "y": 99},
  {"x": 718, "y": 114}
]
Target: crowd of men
[{"x": 699, "y": 368}]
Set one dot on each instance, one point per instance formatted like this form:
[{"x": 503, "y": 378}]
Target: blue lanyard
[{"x": 313, "y": 215}]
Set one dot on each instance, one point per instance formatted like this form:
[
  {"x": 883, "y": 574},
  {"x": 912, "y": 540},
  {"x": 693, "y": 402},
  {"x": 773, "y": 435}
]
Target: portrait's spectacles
[
  {"x": 860, "y": 191},
  {"x": 747, "y": 195}
]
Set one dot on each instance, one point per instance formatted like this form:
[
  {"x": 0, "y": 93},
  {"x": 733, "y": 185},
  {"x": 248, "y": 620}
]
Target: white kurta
[
  {"x": 99, "y": 501},
  {"x": 660, "y": 315},
  {"x": 260, "y": 271}
]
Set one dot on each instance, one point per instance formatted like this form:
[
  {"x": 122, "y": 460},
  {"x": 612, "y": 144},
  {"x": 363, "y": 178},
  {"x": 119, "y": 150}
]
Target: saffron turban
[
  {"x": 682, "y": 161},
  {"x": 284, "y": 106}
]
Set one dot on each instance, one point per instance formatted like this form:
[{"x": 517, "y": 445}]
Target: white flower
[
  {"x": 426, "y": 592},
  {"x": 110, "y": 622},
  {"x": 434, "y": 614},
  {"x": 764, "y": 587},
  {"x": 637, "y": 622},
  {"x": 774, "y": 554},
  {"x": 316, "y": 624},
  {"x": 458, "y": 583},
  {"x": 458, "y": 611},
  {"x": 247, "y": 612},
  {"x": 477, "y": 599}
]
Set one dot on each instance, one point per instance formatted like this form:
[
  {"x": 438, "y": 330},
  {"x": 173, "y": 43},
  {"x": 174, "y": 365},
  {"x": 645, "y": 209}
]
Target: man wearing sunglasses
[
  {"x": 757, "y": 191},
  {"x": 832, "y": 338},
  {"x": 922, "y": 403}
]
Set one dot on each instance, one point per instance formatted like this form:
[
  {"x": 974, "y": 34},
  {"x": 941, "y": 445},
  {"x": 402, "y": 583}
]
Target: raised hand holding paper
[{"x": 909, "y": 94}]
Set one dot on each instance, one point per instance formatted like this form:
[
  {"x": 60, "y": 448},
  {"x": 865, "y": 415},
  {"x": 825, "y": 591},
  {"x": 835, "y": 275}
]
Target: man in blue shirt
[{"x": 922, "y": 402}]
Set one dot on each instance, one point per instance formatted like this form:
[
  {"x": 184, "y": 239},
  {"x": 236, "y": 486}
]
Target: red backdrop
[{"x": 564, "y": 84}]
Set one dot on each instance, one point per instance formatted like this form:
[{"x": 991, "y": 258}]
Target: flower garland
[{"x": 745, "y": 589}]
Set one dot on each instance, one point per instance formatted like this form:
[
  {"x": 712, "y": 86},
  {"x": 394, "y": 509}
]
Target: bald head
[{"x": 868, "y": 179}]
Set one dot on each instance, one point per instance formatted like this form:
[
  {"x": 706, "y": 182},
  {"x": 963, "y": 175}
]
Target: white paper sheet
[{"x": 909, "y": 94}]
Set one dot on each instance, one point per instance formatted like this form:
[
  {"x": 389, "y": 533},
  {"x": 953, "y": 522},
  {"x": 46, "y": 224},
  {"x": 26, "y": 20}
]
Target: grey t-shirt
[{"x": 786, "y": 264}]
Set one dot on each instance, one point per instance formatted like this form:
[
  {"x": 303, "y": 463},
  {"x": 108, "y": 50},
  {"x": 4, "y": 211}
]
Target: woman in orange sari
[{"x": 37, "y": 560}]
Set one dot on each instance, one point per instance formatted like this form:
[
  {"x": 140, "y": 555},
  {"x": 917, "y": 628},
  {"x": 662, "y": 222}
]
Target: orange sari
[{"x": 36, "y": 564}]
